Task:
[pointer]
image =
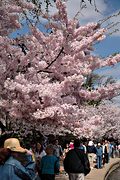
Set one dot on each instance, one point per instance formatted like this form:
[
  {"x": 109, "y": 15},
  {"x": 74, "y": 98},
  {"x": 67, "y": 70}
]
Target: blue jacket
[
  {"x": 14, "y": 170},
  {"x": 49, "y": 164},
  {"x": 99, "y": 151}
]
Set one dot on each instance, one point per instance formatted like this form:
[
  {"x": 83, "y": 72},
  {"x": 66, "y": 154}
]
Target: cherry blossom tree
[
  {"x": 43, "y": 75},
  {"x": 110, "y": 114}
]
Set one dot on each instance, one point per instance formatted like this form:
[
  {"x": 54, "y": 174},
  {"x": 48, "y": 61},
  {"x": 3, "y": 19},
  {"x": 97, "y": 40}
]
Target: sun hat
[{"x": 14, "y": 145}]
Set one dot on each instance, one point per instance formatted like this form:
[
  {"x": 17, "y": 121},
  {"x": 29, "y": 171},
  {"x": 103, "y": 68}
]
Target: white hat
[{"x": 90, "y": 143}]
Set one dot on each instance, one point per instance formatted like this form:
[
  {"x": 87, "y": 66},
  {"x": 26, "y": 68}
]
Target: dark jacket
[
  {"x": 91, "y": 149},
  {"x": 76, "y": 161}
]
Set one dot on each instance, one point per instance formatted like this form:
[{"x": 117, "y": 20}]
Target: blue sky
[
  {"x": 106, "y": 47},
  {"x": 112, "y": 43},
  {"x": 106, "y": 7}
]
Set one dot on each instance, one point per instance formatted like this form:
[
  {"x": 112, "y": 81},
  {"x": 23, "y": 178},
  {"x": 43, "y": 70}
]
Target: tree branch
[
  {"x": 61, "y": 51},
  {"x": 47, "y": 71}
]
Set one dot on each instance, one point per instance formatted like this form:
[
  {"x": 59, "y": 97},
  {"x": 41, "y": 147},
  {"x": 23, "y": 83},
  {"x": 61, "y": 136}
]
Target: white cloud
[
  {"x": 111, "y": 71},
  {"x": 90, "y": 15},
  {"x": 116, "y": 100},
  {"x": 87, "y": 14},
  {"x": 115, "y": 19}
]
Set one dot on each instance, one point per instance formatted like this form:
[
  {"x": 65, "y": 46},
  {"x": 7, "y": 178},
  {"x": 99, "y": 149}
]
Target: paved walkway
[
  {"x": 115, "y": 175},
  {"x": 95, "y": 174}
]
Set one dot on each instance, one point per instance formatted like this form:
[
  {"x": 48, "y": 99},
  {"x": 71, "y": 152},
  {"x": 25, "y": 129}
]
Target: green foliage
[{"x": 94, "y": 81}]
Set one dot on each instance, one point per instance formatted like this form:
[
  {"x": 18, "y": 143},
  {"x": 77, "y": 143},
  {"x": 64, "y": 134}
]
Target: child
[{"x": 49, "y": 164}]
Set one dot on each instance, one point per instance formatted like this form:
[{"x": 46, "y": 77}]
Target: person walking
[
  {"x": 76, "y": 163},
  {"x": 91, "y": 150},
  {"x": 107, "y": 152},
  {"x": 16, "y": 162},
  {"x": 58, "y": 152},
  {"x": 49, "y": 165},
  {"x": 99, "y": 154},
  {"x": 119, "y": 150},
  {"x": 39, "y": 152}
]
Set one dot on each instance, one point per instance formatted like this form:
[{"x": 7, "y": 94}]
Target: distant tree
[{"x": 94, "y": 81}]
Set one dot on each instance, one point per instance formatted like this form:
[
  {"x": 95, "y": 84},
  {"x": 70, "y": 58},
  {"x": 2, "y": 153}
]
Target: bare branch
[
  {"x": 107, "y": 18},
  {"x": 61, "y": 51}
]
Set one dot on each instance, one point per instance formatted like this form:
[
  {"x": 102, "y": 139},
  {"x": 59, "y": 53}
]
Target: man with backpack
[{"x": 76, "y": 163}]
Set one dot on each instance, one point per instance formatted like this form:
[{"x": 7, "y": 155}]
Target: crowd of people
[
  {"x": 37, "y": 163},
  {"x": 43, "y": 162},
  {"x": 102, "y": 152},
  {"x": 98, "y": 153}
]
